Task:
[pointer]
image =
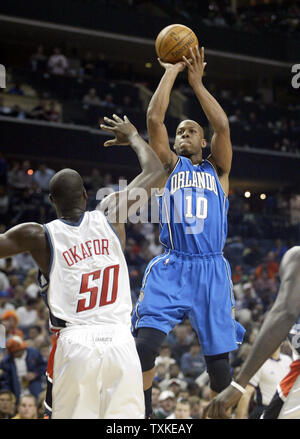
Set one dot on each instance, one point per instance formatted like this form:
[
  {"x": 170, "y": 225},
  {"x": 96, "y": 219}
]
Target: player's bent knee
[
  {"x": 218, "y": 369},
  {"x": 148, "y": 342}
]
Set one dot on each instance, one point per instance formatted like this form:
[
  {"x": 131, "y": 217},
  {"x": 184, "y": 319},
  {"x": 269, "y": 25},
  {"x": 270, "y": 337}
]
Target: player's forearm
[
  {"x": 212, "y": 109},
  {"x": 148, "y": 159},
  {"x": 273, "y": 332},
  {"x": 242, "y": 409},
  {"x": 160, "y": 100}
]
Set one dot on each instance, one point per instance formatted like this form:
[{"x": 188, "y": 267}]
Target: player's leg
[
  {"x": 148, "y": 343},
  {"x": 121, "y": 394},
  {"x": 213, "y": 320},
  {"x": 218, "y": 369},
  {"x": 77, "y": 363},
  {"x": 164, "y": 300}
]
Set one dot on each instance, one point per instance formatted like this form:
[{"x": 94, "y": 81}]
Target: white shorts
[{"x": 97, "y": 374}]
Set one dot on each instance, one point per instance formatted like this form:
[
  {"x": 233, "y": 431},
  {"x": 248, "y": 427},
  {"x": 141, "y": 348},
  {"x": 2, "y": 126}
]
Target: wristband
[{"x": 238, "y": 386}]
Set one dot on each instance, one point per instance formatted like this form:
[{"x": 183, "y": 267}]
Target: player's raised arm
[
  {"x": 274, "y": 330},
  {"x": 123, "y": 204},
  {"x": 221, "y": 149},
  {"x": 158, "y": 136}
]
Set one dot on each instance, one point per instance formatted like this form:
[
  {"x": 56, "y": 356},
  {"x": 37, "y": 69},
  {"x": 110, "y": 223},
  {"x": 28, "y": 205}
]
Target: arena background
[{"x": 50, "y": 115}]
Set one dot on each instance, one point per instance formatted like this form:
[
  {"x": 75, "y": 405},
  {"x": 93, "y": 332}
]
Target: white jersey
[{"x": 88, "y": 275}]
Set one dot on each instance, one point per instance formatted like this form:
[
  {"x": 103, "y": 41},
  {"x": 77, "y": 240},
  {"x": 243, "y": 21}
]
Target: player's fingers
[
  {"x": 197, "y": 54},
  {"x": 202, "y": 54},
  {"x": 110, "y": 121},
  {"x": 192, "y": 55},
  {"x": 204, "y": 65},
  {"x": 109, "y": 142},
  {"x": 126, "y": 119},
  {"x": 161, "y": 62},
  {"x": 187, "y": 61},
  {"x": 117, "y": 118},
  {"x": 107, "y": 128},
  {"x": 206, "y": 411}
]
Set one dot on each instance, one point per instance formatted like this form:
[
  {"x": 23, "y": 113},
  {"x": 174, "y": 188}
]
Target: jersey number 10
[
  {"x": 109, "y": 283},
  {"x": 201, "y": 207}
]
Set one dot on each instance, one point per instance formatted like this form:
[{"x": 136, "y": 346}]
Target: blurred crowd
[
  {"x": 74, "y": 89},
  {"x": 181, "y": 387}
]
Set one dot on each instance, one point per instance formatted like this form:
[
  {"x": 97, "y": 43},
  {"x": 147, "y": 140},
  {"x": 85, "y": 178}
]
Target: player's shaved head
[
  {"x": 66, "y": 189},
  {"x": 193, "y": 123}
]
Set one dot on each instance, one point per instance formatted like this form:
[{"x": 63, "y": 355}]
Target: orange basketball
[{"x": 174, "y": 42}]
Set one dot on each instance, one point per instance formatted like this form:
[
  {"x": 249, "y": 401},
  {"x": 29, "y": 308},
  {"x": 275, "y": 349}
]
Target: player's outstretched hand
[
  {"x": 178, "y": 67},
  {"x": 122, "y": 129},
  {"x": 195, "y": 65},
  {"x": 217, "y": 408}
]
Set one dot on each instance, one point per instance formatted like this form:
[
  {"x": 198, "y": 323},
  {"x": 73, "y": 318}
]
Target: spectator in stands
[
  {"x": 155, "y": 397},
  {"x": 22, "y": 367},
  {"x": 16, "y": 89},
  {"x": 195, "y": 404},
  {"x": 58, "y": 63},
  {"x": 7, "y": 404},
  {"x": 25, "y": 262},
  {"x": 279, "y": 249},
  {"x": 35, "y": 337},
  {"x": 88, "y": 67},
  {"x": 10, "y": 267},
  {"x": 265, "y": 283},
  {"x": 27, "y": 408},
  {"x": 164, "y": 356},
  {"x": 192, "y": 363},
  {"x": 74, "y": 62},
  {"x": 182, "y": 343},
  {"x": 182, "y": 410},
  {"x": 43, "y": 176},
  {"x": 108, "y": 101},
  {"x": 155, "y": 246},
  {"x": 5, "y": 304},
  {"x": 270, "y": 265},
  {"x": 4, "y": 204},
  {"x": 4, "y": 109},
  {"x": 91, "y": 98},
  {"x": 39, "y": 111},
  {"x": 38, "y": 60},
  {"x": 27, "y": 314},
  {"x": 18, "y": 112},
  {"x": 167, "y": 403},
  {"x": 52, "y": 113},
  {"x": 10, "y": 320},
  {"x": 19, "y": 297}
]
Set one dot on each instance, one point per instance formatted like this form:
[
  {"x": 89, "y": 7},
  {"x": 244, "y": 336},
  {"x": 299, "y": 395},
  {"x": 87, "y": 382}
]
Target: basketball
[{"x": 173, "y": 42}]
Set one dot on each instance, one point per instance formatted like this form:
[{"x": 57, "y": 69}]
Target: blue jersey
[{"x": 193, "y": 209}]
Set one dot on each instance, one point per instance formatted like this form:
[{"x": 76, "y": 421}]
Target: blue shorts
[{"x": 178, "y": 285}]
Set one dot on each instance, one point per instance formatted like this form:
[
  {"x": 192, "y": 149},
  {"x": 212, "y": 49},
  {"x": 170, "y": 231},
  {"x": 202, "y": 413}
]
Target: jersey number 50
[{"x": 109, "y": 284}]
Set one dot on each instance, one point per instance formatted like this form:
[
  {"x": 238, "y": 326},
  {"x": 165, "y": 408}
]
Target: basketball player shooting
[
  {"x": 277, "y": 326},
  {"x": 192, "y": 278},
  {"x": 94, "y": 369}
]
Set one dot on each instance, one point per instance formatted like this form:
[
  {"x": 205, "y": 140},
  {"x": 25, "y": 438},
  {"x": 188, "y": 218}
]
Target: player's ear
[
  {"x": 85, "y": 195},
  {"x": 51, "y": 199},
  {"x": 203, "y": 143}
]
